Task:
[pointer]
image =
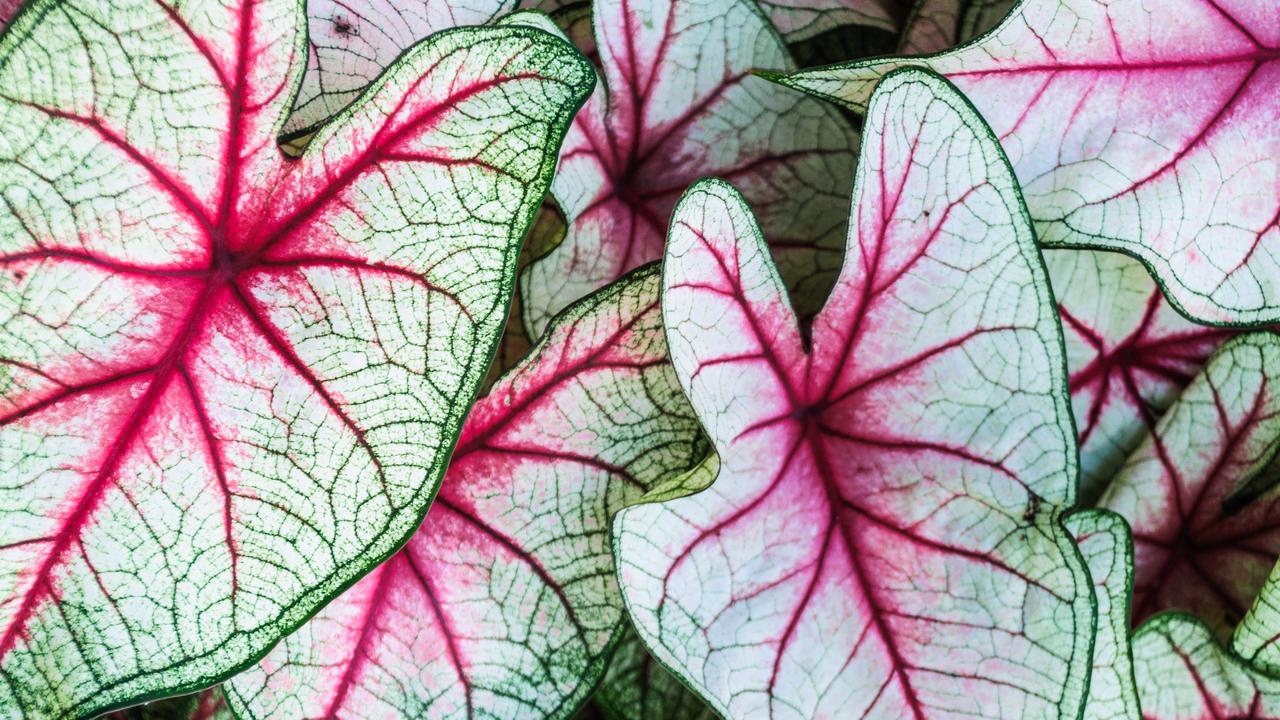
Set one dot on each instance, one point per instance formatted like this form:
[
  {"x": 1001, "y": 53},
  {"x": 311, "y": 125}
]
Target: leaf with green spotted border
[
  {"x": 884, "y": 536},
  {"x": 505, "y": 604},
  {"x": 1107, "y": 548},
  {"x": 1143, "y": 127},
  {"x": 230, "y": 381},
  {"x": 1199, "y": 492},
  {"x": 1184, "y": 674},
  {"x": 678, "y": 101}
]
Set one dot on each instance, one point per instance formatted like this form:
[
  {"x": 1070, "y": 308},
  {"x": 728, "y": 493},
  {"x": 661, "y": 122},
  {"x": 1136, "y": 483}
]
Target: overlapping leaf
[
  {"x": 1197, "y": 492},
  {"x": 802, "y": 19},
  {"x": 678, "y": 103},
  {"x": 1183, "y": 674},
  {"x": 883, "y": 538},
  {"x": 937, "y": 25},
  {"x": 1108, "y": 553},
  {"x": 210, "y": 704},
  {"x": 504, "y": 604},
  {"x": 1136, "y": 127},
  {"x": 636, "y": 687},
  {"x": 229, "y": 382},
  {"x": 1128, "y": 351}
]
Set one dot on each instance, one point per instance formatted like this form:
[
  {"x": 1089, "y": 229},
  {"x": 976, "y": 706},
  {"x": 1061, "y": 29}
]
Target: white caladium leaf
[
  {"x": 802, "y": 19},
  {"x": 350, "y": 42},
  {"x": 883, "y": 538},
  {"x": 1206, "y": 524},
  {"x": 1105, "y": 542},
  {"x": 229, "y": 382},
  {"x": 937, "y": 25},
  {"x": 505, "y": 604},
  {"x": 636, "y": 687},
  {"x": 658, "y": 123},
  {"x": 1257, "y": 637},
  {"x": 1135, "y": 127},
  {"x": 1129, "y": 354},
  {"x": 1183, "y": 674}
]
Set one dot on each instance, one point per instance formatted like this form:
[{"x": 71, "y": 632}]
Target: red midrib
[
  {"x": 163, "y": 374},
  {"x": 1258, "y": 56}
]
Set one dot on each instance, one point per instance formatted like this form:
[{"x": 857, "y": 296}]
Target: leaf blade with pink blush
[
  {"x": 656, "y": 124},
  {"x": 1129, "y": 131},
  {"x": 910, "y": 447},
  {"x": 1184, "y": 674},
  {"x": 1107, "y": 548},
  {"x": 1128, "y": 351},
  {"x": 1196, "y": 494},
  {"x": 504, "y": 602},
  {"x": 190, "y": 429}
]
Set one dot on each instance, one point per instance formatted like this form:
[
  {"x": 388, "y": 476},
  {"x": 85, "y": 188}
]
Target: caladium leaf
[
  {"x": 937, "y": 25},
  {"x": 504, "y": 604},
  {"x": 883, "y": 538},
  {"x": 350, "y": 42},
  {"x": 1105, "y": 542},
  {"x": 658, "y": 123},
  {"x": 8, "y": 8},
  {"x": 802, "y": 19},
  {"x": 1183, "y": 674},
  {"x": 210, "y": 704},
  {"x": 636, "y": 687},
  {"x": 1206, "y": 528},
  {"x": 1144, "y": 129},
  {"x": 1129, "y": 354},
  {"x": 206, "y": 437},
  {"x": 1257, "y": 637}
]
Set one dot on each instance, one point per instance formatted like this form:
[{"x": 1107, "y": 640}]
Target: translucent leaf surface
[
  {"x": 1198, "y": 491},
  {"x": 229, "y": 381},
  {"x": 679, "y": 102},
  {"x": 1108, "y": 553},
  {"x": 1129, "y": 352},
  {"x": 505, "y": 603},
  {"x": 883, "y": 538},
  {"x": 1137, "y": 127}
]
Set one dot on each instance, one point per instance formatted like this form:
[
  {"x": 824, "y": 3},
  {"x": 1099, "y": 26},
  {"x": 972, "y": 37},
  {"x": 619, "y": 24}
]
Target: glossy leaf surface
[
  {"x": 1133, "y": 127},
  {"x": 1128, "y": 351},
  {"x": 1107, "y": 548},
  {"x": 229, "y": 381},
  {"x": 883, "y": 538},
  {"x": 505, "y": 604},
  {"x": 659, "y": 122},
  {"x": 1197, "y": 492}
]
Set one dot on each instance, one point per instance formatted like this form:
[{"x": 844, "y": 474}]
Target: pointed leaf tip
[{"x": 884, "y": 536}]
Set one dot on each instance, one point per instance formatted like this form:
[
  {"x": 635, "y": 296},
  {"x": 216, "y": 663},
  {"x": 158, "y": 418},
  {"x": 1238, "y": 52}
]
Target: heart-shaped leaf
[
  {"x": 1198, "y": 490},
  {"x": 1108, "y": 553},
  {"x": 659, "y": 122},
  {"x": 1147, "y": 129},
  {"x": 636, "y": 687},
  {"x": 937, "y": 25},
  {"x": 1183, "y": 674},
  {"x": 883, "y": 538},
  {"x": 504, "y": 604},
  {"x": 1129, "y": 352},
  {"x": 229, "y": 382}
]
